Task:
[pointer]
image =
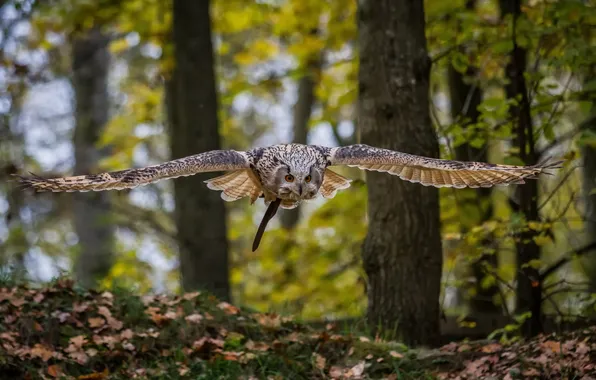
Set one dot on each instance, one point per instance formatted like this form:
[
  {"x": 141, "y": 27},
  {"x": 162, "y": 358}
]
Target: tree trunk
[
  {"x": 302, "y": 110},
  {"x": 402, "y": 251},
  {"x": 192, "y": 109},
  {"x": 465, "y": 99},
  {"x": 529, "y": 287},
  {"x": 90, "y": 63},
  {"x": 589, "y": 193}
]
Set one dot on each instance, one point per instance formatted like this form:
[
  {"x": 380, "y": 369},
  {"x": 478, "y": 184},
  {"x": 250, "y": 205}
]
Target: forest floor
[{"x": 61, "y": 331}]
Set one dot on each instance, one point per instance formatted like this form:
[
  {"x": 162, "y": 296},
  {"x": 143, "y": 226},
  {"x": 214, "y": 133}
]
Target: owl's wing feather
[
  {"x": 216, "y": 160},
  {"x": 436, "y": 172}
]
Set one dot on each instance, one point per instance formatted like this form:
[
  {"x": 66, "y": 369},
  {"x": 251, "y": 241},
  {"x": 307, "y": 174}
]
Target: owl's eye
[
  {"x": 289, "y": 178},
  {"x": 307, "y": 179}
]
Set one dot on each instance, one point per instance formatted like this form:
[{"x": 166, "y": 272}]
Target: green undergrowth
[{"x": 61, "y": 331}]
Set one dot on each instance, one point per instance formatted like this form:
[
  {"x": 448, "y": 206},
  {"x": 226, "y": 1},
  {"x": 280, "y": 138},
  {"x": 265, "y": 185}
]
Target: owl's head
[{"x": 298, "y": 183}]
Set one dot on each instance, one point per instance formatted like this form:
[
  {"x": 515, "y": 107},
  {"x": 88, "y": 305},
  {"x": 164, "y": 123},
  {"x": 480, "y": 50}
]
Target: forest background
[{"x": 91, "y": 86}]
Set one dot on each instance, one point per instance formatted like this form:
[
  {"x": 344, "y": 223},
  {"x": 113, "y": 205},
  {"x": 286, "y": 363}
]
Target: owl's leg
[{"x": 269, "y": 214}]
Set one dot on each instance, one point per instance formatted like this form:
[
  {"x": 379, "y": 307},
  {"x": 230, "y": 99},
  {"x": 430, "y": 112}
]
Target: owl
[{"x": 285, "y": 175}]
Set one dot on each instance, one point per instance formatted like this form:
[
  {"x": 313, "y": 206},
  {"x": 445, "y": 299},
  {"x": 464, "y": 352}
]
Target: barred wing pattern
[
  {"x": 436, "y": 172},
  {"x": 216, "y": 160}
]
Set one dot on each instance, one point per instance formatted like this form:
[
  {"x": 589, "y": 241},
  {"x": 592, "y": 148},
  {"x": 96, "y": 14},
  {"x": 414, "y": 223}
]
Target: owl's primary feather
[
  {"x": 436, "y": 172},
  {"x": 285, "y": 175},
  {"x": 217, "y": 160}
]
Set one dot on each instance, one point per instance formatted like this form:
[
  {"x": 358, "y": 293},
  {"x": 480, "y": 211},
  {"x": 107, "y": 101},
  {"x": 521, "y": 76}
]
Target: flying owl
[{"x": 285, "y": 175}]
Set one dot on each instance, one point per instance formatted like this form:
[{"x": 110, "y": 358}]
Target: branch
[{"x": 567, "y": 258}]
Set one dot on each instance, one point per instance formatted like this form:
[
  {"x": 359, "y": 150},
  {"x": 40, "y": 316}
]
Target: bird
[{"x": 285, "y": 175}]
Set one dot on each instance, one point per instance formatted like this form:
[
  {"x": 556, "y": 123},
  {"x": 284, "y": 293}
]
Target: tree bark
[
  {"x": 302, "y": 111},
  {"x": 192, "y": 109},
  {"x": 529, "y": 287},
  {"x": 91, "y": 210},
  {"x": 589, "y": 194},
  {"x": 402, "y": 253}
]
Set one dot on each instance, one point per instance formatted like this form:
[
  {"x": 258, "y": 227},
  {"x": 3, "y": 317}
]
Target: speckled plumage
[
  {"x": 265, "y": 172},
  {"x": 252, "y": 173}
]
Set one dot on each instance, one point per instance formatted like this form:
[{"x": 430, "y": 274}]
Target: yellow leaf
[{"x": 119, "y": 46}]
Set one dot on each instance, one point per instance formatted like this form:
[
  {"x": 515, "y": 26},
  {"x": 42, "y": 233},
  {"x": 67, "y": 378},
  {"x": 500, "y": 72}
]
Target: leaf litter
[{"x": 100, "y": 335}]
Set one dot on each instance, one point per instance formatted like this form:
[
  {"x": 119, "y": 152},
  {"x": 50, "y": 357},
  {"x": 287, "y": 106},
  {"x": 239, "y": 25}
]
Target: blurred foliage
[{"x": 261, "y": 49}]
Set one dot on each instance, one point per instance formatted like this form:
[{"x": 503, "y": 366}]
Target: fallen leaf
[
  {"x": 582, "y": 348},
  {"x": 396, "y": 354},
  {"x": 357, "y": 370},
  {"x": 115, "y": 324},
  {"x": 128, "y": 346},
  {"x": 193, "y": 318},
  {"x": 364, "y": 339},
  {"x": 531, "y": 372},
  {"x": 320, "y": 361},
  {"x": 91, "y": 352},
  {"x": 79, "y": 356},
  {"x": 464, "y": 347},
  {"x": 54, "y": 370},
  {"x": 336, "y": 372},
  {"x": 18, "y": 302},
  {"x": 183, "y": 370},
  {"x": 95, "y": 375},
  {"x": 229, "y": 309},
  {"x": 41, "y": 351},
  {"x": 552, "y": 345},
  {"x": 190, "y": 296},
  {"x": 369, "y": 356},
  {"x": 108, "y": 296},
  {"x": 37, "y": 327},
  {"x": 80, "y": 307},
  {"x": 96, "y": 322},
  {"x": 78, "y": 341},
  {"x": 38, "y": 298},
  {"x": 492, "y": 347},
  {"x": 102, "y": 310},
  {"x": 126, "y": 334}
]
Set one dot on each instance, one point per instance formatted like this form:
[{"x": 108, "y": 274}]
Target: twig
[{"x": 567, "y": 258}]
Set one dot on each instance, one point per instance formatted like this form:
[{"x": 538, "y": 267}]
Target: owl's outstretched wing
[
  {"x": 435, "y": 172},
  {"x": 216, "y": 160}
]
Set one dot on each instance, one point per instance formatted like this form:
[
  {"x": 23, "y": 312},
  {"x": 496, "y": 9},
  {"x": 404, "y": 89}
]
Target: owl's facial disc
[{"x": 298, "y": 184}]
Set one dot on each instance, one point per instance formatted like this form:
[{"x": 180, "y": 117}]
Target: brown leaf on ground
[
  {"x": 102, "y": 310},
  {"x": 18, "y": 302},
  {"x": 320, "y": 361},
  {"x": 126, "y": 334},
  {"x": 95, "y": 375},
  {"x": 41, "y": 351},
  {"x": 552, "y": 346},
  {"x": 79, "y": 356},
  {"x": 54, "y": 370},
  {"x": 396, "y": 354},
  {"x": 96, "y": 322},
  {"x": 193, "y": 318},
  {"x": 228, "y": 308},
  {"x": 190, "y": 296},
  {"x": 492, "y": 347},
  {"x": 38, "y": 297}
]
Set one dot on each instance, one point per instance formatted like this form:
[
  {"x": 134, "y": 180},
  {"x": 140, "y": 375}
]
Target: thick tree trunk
[
  {"x": 192, "y": 107},
  {"x": 589, "y": 194},
  {"x": 302, "y": 111},
  {"x": 402, "y": 252},
  {"x": 529, "y": 287},
  {"x": 90, "y": 63},
  {"x": 465, "y": 99}
]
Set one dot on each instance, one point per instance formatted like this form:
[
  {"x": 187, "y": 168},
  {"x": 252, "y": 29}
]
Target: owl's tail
[{"x": 235, "y": 185}]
